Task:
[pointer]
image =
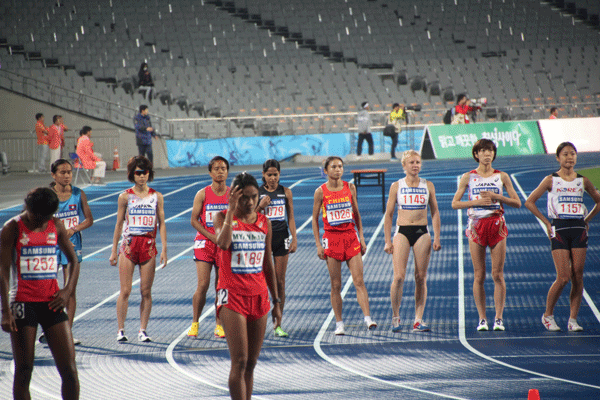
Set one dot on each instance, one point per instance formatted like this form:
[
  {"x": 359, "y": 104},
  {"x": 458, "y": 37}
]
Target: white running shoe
[
  {"x": 483, "y": 326},
  {"x": 121, "y": 336},
  {"x": 143, "y": 337},
  {"x": 339, "y": 329},
  {"x": 574, "y": 326},
  {"x": 498, "y": 325},
  {"x": 550, "y": 323},
  {"x": 370, "y": 323}
]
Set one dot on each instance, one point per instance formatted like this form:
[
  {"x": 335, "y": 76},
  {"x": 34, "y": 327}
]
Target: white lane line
[
  {"x": 319, "y": 337},
  {"x": 586, "y": 296},
  {"x": 461, "y": 315}
]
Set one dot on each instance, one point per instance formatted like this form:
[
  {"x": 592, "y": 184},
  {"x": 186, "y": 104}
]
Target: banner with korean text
[{"x": 511, "y": 138}]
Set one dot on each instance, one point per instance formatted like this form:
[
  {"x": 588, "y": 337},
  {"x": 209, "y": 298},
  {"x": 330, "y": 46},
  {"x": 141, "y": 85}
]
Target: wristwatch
[{"x": 277, "y": 300}]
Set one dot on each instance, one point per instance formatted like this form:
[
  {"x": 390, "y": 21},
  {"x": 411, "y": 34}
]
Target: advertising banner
[
  {"x": 584, "y": 133},
  {"x": 511, "y": 138}
]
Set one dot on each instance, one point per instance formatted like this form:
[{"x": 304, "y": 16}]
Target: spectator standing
[
  {"x": 55, "y": 138},
  {"x": 144, "y": 133},
  {"x": 63, "y": 129},
  {"x": 89, "y": 159},
  {"x": 42, "y": 141},
  {"x": 553, "y": 113},
  {"x": 462, "y": 110},
  {"x": 145, "y": 81},
  {"x": 363, "y": 122},
  {"x": 394, "y": 126}
]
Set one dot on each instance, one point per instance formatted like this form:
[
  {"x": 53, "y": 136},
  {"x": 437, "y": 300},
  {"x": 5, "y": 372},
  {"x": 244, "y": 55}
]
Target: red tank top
[
  {"x": 337, "y": 209},
  {"x": 241, "y": 266},
  {"x": 35, "y": 265},
  {"x": 213, "y": 204}
]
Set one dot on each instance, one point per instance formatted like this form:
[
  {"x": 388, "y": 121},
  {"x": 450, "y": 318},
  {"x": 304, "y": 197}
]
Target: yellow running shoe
[
  {"x": 280, "y": 332},
  {"x": 219, "y": 332},
  {"x": 193, "y": 330}
]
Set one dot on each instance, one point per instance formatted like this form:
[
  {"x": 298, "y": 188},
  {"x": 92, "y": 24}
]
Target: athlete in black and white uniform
[
  {"x": 412, "y": 195},
  {"x": 567, "y": 231},
  {"x": 277, "y": 204}
]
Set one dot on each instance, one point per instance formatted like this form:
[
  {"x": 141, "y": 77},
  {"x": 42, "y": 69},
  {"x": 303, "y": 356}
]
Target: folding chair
[{"x": 77, "y": 165}]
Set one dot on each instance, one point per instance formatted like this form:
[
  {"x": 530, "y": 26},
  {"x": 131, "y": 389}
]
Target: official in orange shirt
[
  {"x": 42, "y": 141},
  {"x": 55, "y": 139},
  {"x": 89, "y": 159}
]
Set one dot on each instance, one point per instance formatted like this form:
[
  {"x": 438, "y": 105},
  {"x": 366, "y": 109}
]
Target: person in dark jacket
[
  {"x": 144, "y": 133},
  {"x": 145, "y": 81}
]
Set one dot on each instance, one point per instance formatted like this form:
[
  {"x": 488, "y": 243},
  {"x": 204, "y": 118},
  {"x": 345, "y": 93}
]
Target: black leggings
[{"x": 362, "y": 137}]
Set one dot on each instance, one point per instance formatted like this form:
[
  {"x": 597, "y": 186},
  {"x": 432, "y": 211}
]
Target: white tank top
[
  {"x": 478, "y": 184},
  {"x": 565, "y": 199},
  {"x": 140, "y": 218},
  {"x": 412, "y": 198}
]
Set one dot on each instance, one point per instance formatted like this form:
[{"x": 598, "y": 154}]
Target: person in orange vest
[
  {"x": 89, "y": 159},
  {"x": 41, "y": 132},
  {"x": 55, "y": 138}
]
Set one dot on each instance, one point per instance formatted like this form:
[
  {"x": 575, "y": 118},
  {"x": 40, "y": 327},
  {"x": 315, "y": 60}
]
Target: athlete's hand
[
  {"x": 276, "y": 314},
  {"x": 264, "y": 202},
  {"x": 59, "y": 302},
  {"x": 436, "y": 244},
  {"x": 113, "y": 258},
  {"x": 293, "y": 245},
  {"x": 163, "y": 258},
  {"x": 234, "y": 197},
  {"x": 389, "y": 248},
  {"x": 485, "y": 198},
  {"x": 8, "y": 322},
  {"x": 551, "y": 234},
  {"x": 363, "y": 247},
  {"x": 321, "y": 252}
]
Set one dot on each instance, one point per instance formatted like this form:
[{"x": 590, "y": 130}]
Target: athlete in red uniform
[
  {"x": 28, "y": 246},
  {"x": 140, "y": 211},
  {"x": 208, "y": 203},
  {"x": 246, "y": 276},
  {"x": 486, "y": 225},
  {"x": 336, "y": 200}
]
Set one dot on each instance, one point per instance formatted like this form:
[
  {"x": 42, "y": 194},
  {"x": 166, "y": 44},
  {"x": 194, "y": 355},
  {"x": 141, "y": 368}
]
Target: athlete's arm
[
  {"x": 457, "y": 202},
  {"x": 162, "y": 227},
  {"x": 8, "y": 241},
  {"x": 62, "y": 296},
  {"x": 269, "y": 272},
  {"x": 87, "y": 213},
  {"x": 318, "y": 203},
  {"x": 194, "y": 219},
  {"x": 223, "y": 228},
  {"x": 291, "y": 221},
  {"x": 121, "y": 210},
  {"x": 435, "y": 217},
  {"x": 389, "y": 216},
  {"x": 544, "y": 186},
  {"x": 595, "y": 195},
  {"x": 513, "y": 198},
  {"x": 357, "y": 219}
]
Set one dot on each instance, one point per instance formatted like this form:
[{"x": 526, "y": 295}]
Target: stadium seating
[{"x": 263, "y": 57}]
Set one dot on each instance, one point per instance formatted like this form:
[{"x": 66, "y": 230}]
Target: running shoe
[
  {"x": 193, "y": 330},
  {"x": 121, "y": 336},
  {"x": 420, "y": 327},
  {"x": 371, "y": 325},
  {"x": 143, "y": 337},
  {"x": 339, "y": 328},
  {"x": 550, "y": 323},
  {"x": 76, "y": 342},
  {"x": 42, "y": 339},
  {"x": 483, "y": 326},
  {"x": 574, "y": 326},
  {"x": 499, "y": 324},
  {"x": 280, "y": 332},
  {"x": 396, "y": 324},
  {"x": 219, "y": 332}
]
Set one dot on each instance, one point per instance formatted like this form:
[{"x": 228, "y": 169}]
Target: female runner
[
  {"x": 412, "y": 194},
  {"x": 568, "y": 231},
  {"x": 277, "y": 204},
  {"x": 207, "y": 203},
  {"x": 487, "y": 226},
  {"x": 72, "y": 207},
  {"x": 246, "y": 271},
  {"x": 28, "y": 246},
  {"x": 336, "y": 200},
  {"x": 140, "y": 210}
]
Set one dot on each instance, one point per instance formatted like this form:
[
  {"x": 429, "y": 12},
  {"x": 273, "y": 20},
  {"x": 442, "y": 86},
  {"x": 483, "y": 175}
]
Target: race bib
[
  {"x": 141, "y": 220},
  {"x": 38, "y": 262},
  {"x": 413, "y": 198},
  {"x": 275, "y": 211},
  {"x": 570, "y": 208},
  {"x": 18, "y": 310},
  {"x": 199, "y": 244},
  {"x": 247, "y": 252},
  {"x": 211, "y": 211},
  {"x": 222, "y": 297},
  {"x": 338, "y": 213},
  {"x": 475, "y": 195},
  {"x": 325, "y": 243},
  {"x": 70, "y": 222}
]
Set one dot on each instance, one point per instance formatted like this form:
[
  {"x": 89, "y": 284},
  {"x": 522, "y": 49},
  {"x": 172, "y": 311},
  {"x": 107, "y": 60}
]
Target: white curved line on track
[
  {"x": 461, "y": 315},
  {"x": 321, "y": 353}
]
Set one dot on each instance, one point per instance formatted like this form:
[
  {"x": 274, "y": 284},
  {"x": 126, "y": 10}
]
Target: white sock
[
  {"x": 368, "y": 319},
  {"x": 339, "y": 324},
  {"x": 395, "y": 321}
]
